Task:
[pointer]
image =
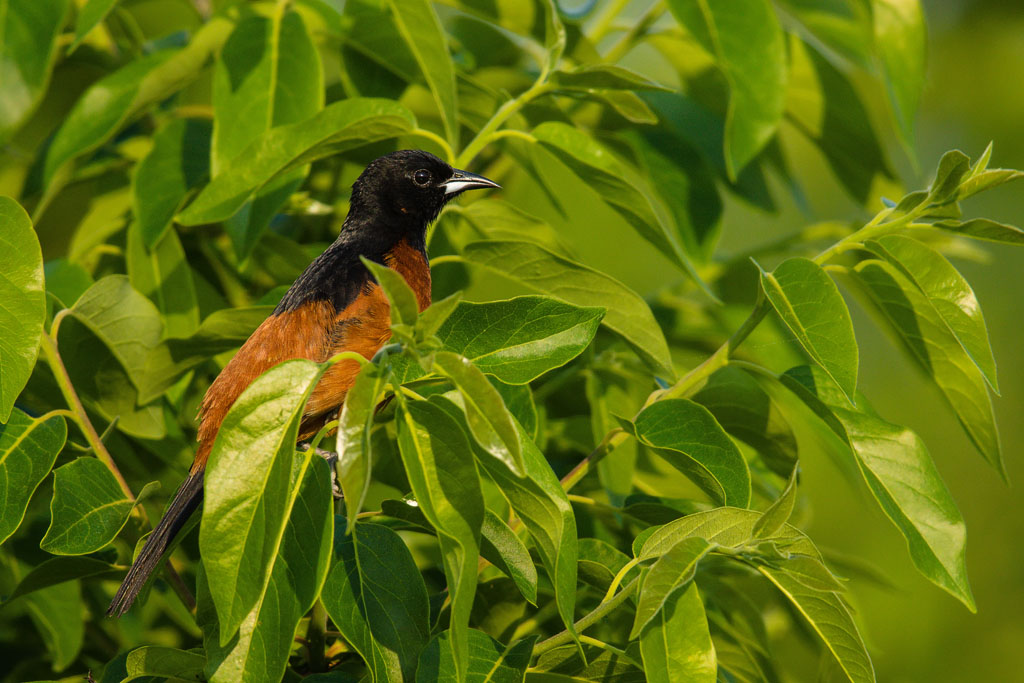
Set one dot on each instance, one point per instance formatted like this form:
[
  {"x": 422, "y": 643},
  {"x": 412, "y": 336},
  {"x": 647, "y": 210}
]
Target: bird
[{"x": 335, "y": 305}]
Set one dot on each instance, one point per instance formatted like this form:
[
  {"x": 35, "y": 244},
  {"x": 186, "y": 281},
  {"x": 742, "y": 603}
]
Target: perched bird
[{"x": 334, "y": 306}]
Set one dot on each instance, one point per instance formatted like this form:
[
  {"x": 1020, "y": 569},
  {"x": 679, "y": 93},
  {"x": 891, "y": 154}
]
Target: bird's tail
[{"x": 186, "y": 500}]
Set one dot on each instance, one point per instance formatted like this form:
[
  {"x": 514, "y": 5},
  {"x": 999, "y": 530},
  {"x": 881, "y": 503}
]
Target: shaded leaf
[
  {"x": 57, "y": 614},
  {"x": 161, "y": 272},
  {"x": 501, "y": 546},
  {"x": 489, "y": 660},
  {"x": 779, "y": 512},
  {"x": 673, "y": 571},
  {"x": 58, "y": 570},
  {"x": 89, "y": 17},
  {"x": 843, "y": 25}
]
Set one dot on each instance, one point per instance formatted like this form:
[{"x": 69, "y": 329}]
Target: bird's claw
[{"x": 332, "y": 459}]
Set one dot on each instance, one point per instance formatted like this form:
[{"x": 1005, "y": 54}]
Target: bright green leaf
[
  {"x": 900, "y": 39},
  {"x": 500, "y": 545},
  {"x": 984, "y": 229},
  {"x": 404, "y": 308},
  {"x": 164, "y": 662},
  {"x": 355, "y": 423},
  {"x": 779, "y": 512},
  {"x": 88, "y": 508},
  {"x": 672, "y": 572},
  {"x": 24, "y": 308},
  {"x": 676, "y": 645},
  {"x": 162, "y": 273},
  {"x": 89, "y": 17},
  {"x": 489, "y": 660},
  {"x": 28, "y": 449}
]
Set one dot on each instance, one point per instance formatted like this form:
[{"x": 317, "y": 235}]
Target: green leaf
[
  {"x": 948, "y": 292},
  {"x": 162, "y": 273},
  {"x": 616, "y": 185},
  {"x": 610, "y": 393},
  {"x": 676, "y": 645},
  {"x": 689, "y": 438},
  {"x": 519, "y": 400},
  {"x": 444, "y": 479},
  {"x": 251, "y": 489},
  {"x": 599, "y": 562},
  {"x": 539, "y": 500},
  {"x": 28, "y": 449},
  {"x": 953, "y": 166},
  {"x": 267, "y": 75},
  {"x": 627, "y": 314},
  {"x": 489, "y": 660},
  {"x": 591, "y": 77},
  {"x": 335, "y": 129},
  {"x": 929, "y": 341},
  {"x": 404, "y": 308},
  {"x": 355, "y": 423},
  {"x": 24, "y": 310},
  {"x": 127, "y": 322},
  {"x": 66, "y": 280},
  {"x": 28, "y": 42},
  {"x": 566, "y": 663},
  {"x": 810, "y": 571},
  {"x": 809, "y": 304},
  {"x": 984, "y": 229},
  {"x": 489, "y": 421},
  {"x": 825, "y": 106},
  {"x": 88, "y": 508},
  {"x": 503, "y": 548},
  {"x": 260, "y": 649},
  {"x": 114, "y": 100},
  {"x": 749, "y": 414},
  {"x": 982, "y": 180},
  {"x": 436, "y": 315},
  {"x": 628, "y": 105},
  {"x": 900, "y": 39},
  {"x": 58, "y": 570},
  {"x": 421, "y": 29},
  {"x": 89, "y": 17},
  {"x": 520, "y": 339},
  {"x": 747, "y": 42},
  {"x": 221, "y": 331},
  {"x": 672, "y": 572},
  {"x": 724, "y": 526},
  {"x": 165, "y": 662},
  {"x": 902, "y": 477},
  {"x": 779, "y": 512},
  {"x": 376, "y": 597},
  {"x": 843, "y": 25},
  {"x": 829, "y": 617},
  {"x": 56, "y": 613},
  {"x": 177, "y": 162}
]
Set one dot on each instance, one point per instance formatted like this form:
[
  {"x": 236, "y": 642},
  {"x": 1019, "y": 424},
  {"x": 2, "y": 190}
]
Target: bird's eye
[{"x": 421, "y": 177}]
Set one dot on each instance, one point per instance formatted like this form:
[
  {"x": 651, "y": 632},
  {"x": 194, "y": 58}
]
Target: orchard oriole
[{"x": 334, "y": 306}]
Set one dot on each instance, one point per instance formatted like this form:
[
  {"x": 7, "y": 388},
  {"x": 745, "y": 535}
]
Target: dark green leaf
[
  {"x": 779, "y": 512},
  {"x": 421, "y": 29},
  {"x": 809, "y": 304},
  {"x": 611, "y": 393},
  {"x": 375, "y": 595},
  {"x": 900, "y": 39},
  {"x": 843, "y": 25},
  {"x": 58, "y": 570},
  {"x": 692, "y": 441},
  {"x": 520, "y": 339},
  {"x": 28, "y": 41},
  {"x": 599, "y": 563},
  {"x": 66, "y": 280},
  {"x": 502, "y": 548},
  {"x": 28, "y": 449},
  {"x": 444, "y": 479},
  {"x": 489, "y": 421},
  {"x": 165, "y": 662},
  {"x": 355, "y": 459},
  {"x": 948, "y": 292},
  {"x": 927, "y": 338},
  {"x": 162, "y": 273},
  {"x": 902, "y": 477},
  {"x": 489, "y": 660},
  {"x": 829, "y": 617},
  {"x": 24, "y": 309},
  {"x": 676, "y": 645},
  {"x": 747, "y": 42},
  {"x": 178, "y": 162},
  {"x": 251, "y": 490},
  {"x": 57, "y": 614},
  {"x": 259, "y": 650},
  {"x": 953, "y": 166},
  {"x": 338, "y": 127},
  {"x": 221, "y": 331},
  {"x": 590, "y": 77},
  {"x": 672, "y": 572},
  {"x": 616, "y": 185},
  {"x": 627, "y": 314},
  {"x": 88, "y": 508}
]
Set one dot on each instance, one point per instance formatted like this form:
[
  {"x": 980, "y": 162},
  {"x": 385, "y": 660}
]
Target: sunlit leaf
[
  {"x": 676, "y": 644},
  {"x": 900, "y": 39},
  {"x": 88, "y": 508},
  {"x": 28, "y": 449}
]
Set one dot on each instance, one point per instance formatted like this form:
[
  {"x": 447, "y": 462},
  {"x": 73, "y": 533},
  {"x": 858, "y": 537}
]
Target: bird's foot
[{"x": 332, "y": 459}]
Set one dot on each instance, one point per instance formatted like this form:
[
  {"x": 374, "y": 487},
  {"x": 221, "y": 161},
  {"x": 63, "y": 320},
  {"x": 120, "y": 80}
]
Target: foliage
[{"x": 574, "y": 483}]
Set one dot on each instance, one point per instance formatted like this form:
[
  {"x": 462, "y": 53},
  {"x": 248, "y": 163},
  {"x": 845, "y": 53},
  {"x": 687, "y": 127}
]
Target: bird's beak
[{"x": 464, "y": 180}]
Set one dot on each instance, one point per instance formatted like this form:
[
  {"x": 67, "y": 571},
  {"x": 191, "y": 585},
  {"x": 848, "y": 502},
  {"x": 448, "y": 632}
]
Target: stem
[
  {"x": 626, "y": 42},
  {"x": 484, "y": 136},
  {"x": 604, "y": 23},
  {"x": 609, "y": 443},
  {"x": 316, "y": 638},
  {"x": 79, "y": 415},
  {"x": 598, "y": 613},
  {"x": 614, "y": 586},
  {"x": 449, "y": 155}
]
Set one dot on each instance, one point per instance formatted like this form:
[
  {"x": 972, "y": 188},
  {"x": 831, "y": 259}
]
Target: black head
[{"x": 409, "y": 188}]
